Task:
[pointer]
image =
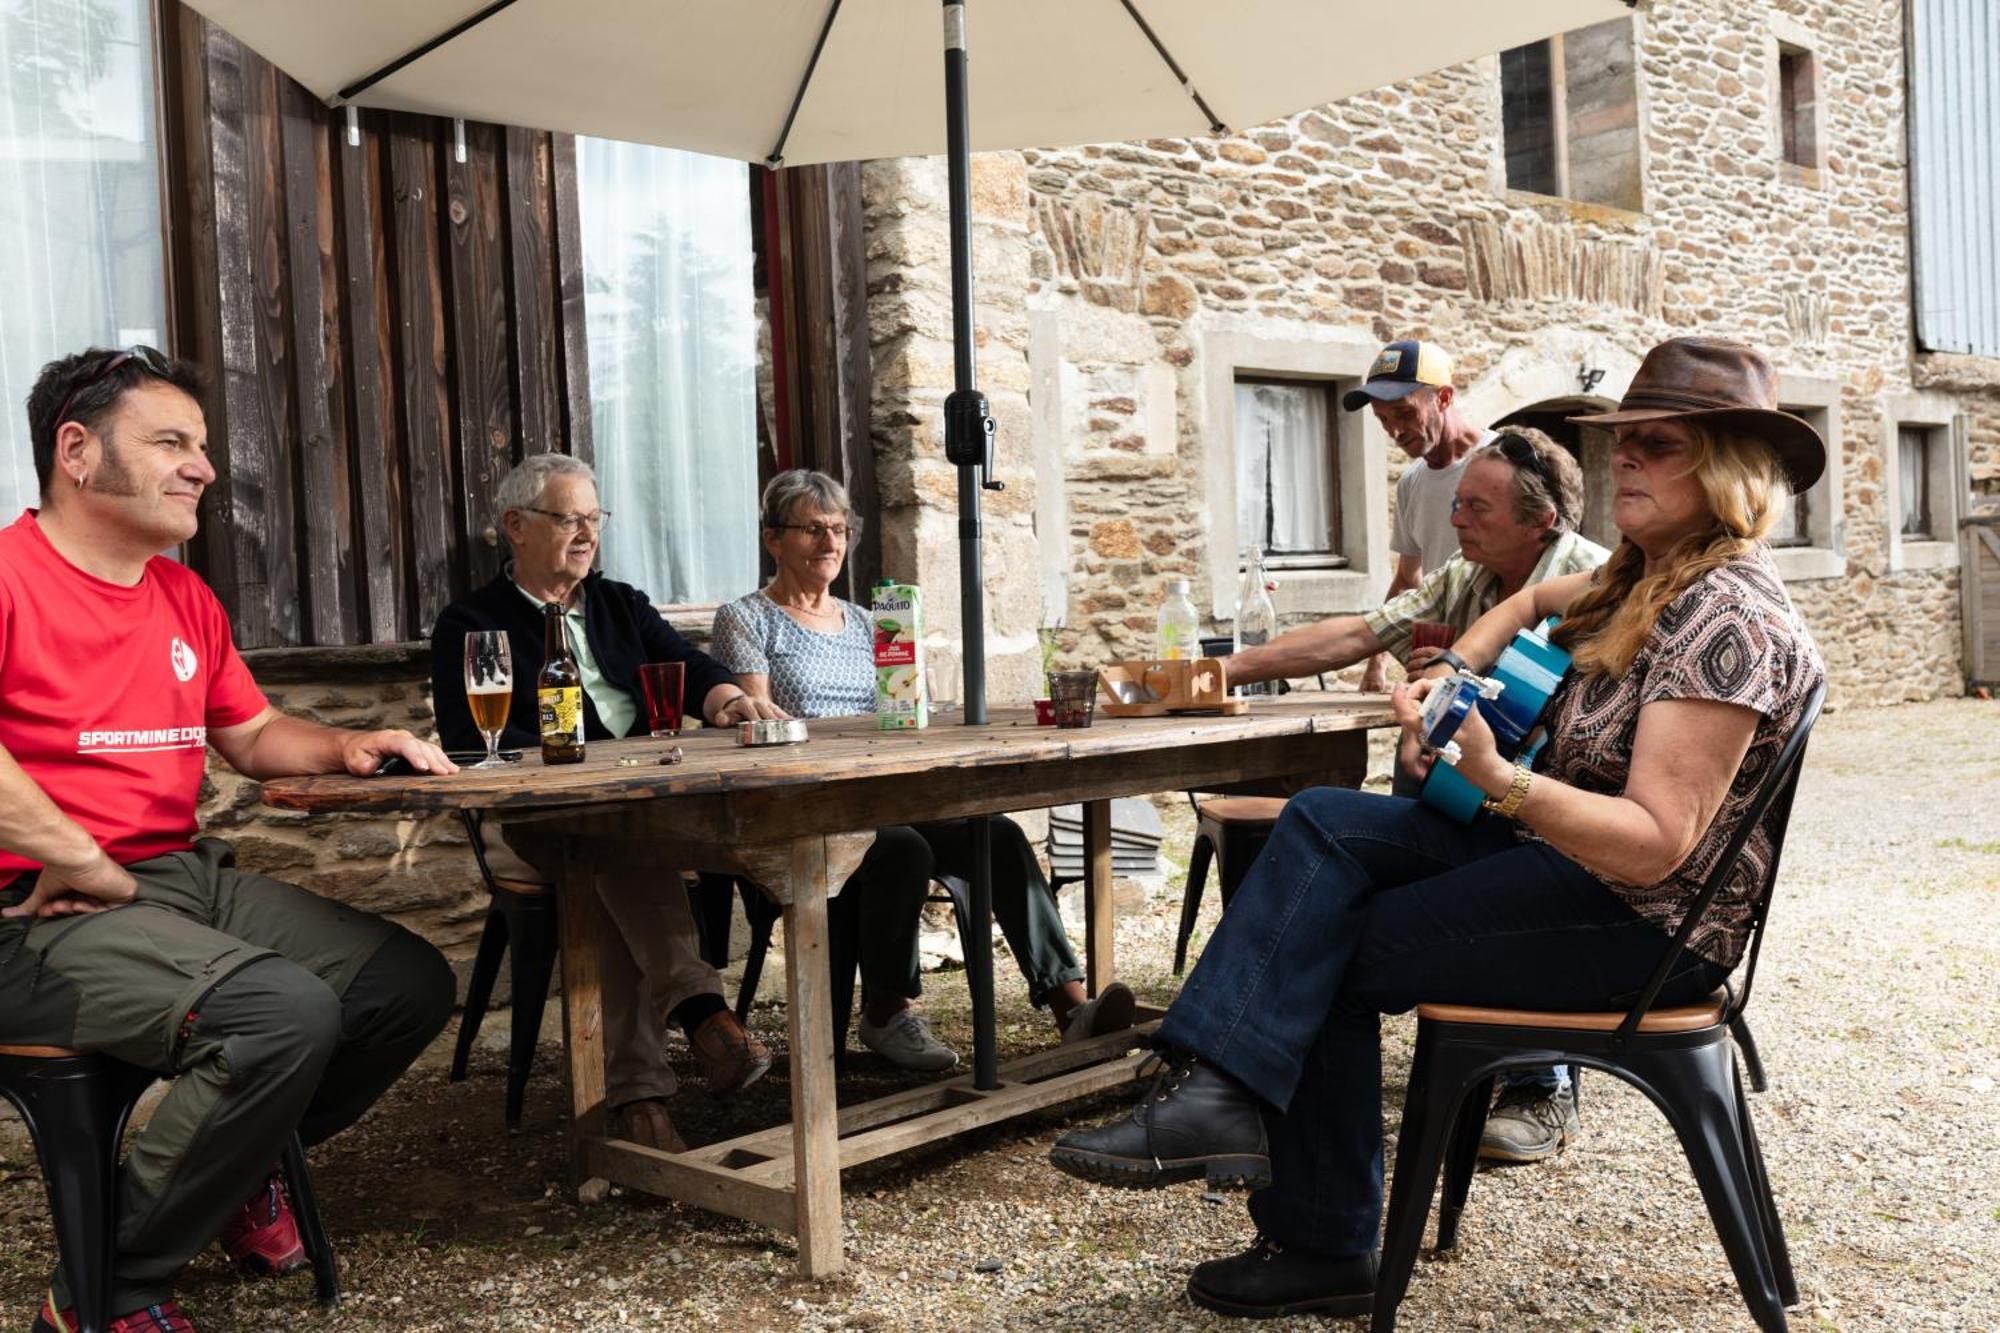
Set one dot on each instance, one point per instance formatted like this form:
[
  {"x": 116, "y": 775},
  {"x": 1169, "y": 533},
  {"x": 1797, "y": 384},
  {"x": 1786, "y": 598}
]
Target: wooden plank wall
[{"x": 387, "y": 330}]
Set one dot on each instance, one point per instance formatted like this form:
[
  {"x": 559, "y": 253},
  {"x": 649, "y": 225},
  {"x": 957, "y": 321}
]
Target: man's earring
[{"x": 79, "y": 481}]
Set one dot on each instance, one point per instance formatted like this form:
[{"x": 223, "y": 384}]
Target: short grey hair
[
  {"x": 802, "y": 488},
  {"x": 522, "y": 487},
  {"x": 1557, "y": 488}
]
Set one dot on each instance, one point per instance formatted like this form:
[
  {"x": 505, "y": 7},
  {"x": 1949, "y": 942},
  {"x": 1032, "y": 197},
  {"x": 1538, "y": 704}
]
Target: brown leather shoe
[
  {"x": 646, "y": 1123},
  {"x": 731, "y": 1059}
]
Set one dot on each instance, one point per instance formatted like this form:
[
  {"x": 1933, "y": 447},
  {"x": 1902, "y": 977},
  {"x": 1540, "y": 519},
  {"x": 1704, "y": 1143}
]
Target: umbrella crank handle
[{"x": 968, "y": 434}]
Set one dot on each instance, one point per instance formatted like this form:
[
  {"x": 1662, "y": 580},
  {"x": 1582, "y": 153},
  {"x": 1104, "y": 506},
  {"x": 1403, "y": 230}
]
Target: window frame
[
  {"x": 1361, "y": 472},
  {"x": 1823, "y": 554},
  {"x": 1559, "y": 112},
  {"x": 1785, "y": 38},
  {"x": 1332, "y": 557},
  {"x": 1946, "y": 484}
]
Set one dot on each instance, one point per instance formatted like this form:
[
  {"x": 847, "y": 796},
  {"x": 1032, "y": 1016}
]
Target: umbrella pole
[{"x": 968, "y": 436}]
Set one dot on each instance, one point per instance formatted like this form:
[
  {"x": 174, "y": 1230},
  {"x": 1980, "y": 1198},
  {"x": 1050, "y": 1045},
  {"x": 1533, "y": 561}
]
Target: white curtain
[
  {"x": 80, "y": 248},
  {"x": 673, "y": 366},
  {"x": 1284, "y": 468}
]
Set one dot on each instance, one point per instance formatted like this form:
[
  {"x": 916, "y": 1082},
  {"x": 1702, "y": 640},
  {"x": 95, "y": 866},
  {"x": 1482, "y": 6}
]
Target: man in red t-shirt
[{"x": 123, "y": 932}]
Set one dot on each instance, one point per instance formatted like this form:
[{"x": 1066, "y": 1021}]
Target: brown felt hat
[{"x": 1719, "y": 383}]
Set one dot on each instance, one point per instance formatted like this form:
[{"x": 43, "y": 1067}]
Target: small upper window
[
  {"x": 1287, "y": 468},
  {"x": 1570, "y": 116},
  {"x": 1798, "y": 105}
]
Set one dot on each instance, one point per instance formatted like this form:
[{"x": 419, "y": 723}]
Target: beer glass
[{"x": 489, "y": 688}]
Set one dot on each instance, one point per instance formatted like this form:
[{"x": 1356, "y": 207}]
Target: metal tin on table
[{"x": 771, "y": 731}]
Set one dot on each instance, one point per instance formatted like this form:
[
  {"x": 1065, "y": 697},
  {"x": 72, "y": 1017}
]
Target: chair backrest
[
  {"x": 1775, "y": 792},
  {"x": 473, "y": 830}
]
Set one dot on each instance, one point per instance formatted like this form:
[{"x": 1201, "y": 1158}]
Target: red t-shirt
[{"x": 107, "y": 693}]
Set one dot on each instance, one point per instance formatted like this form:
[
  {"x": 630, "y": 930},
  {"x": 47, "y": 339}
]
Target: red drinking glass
[
  {"x": 1432, "y": 634},
  {"x": 663, "y": 683}
]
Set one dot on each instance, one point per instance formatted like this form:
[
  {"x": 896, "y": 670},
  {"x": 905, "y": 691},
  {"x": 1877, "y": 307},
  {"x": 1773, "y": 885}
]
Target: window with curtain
[
  {"x": 1913, "y": 461},
  {"x": 1287, "y": 490},
  {"x": 672, "y": 325},
  {"x": 82, "y": 261}
]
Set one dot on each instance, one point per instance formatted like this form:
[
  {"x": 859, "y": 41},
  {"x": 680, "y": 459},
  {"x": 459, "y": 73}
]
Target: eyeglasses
[
  {"x": 572, "y": 524},
  {"x": 817, "y": 531},
  {"x": 1521, "y": 452},
  {"x": 152, "y": 359}
]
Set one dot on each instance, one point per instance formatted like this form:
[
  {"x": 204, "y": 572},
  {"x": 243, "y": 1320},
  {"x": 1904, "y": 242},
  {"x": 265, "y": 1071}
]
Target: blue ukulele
[{"x": 1512, "y": 697}]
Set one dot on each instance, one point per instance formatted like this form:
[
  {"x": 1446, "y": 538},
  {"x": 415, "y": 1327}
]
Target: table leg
[
  {"x": 583, "y": 927},
  {"x": 809, "y": 1019},
  {"x": 1099, "y": 946}
]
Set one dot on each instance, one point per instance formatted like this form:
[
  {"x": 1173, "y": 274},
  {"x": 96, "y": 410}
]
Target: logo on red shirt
[{"x": 182, "y": 657}]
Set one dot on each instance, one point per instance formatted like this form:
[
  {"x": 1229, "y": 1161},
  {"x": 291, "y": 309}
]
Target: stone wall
[{"x": 1112, "y": 278}]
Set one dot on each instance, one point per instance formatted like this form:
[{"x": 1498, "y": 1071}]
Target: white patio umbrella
[{"x": 802, "y": 81}]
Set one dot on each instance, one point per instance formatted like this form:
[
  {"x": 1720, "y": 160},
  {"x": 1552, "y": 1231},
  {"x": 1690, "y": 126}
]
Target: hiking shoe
[
  {"x": 1529, "y": 1123},
  {"x": 166, "y": 1317},
  {"x": 646, "y": 1122},
  {"x": 262, "y": 1237},
  {"x": 1110, "y": 1010},
  {"x": 906, "y": 1042},
  {"x": 1195, "y": 1122},
  {"x": 1269, "y": 1281},
  {"x": 731, "y": 1059}
]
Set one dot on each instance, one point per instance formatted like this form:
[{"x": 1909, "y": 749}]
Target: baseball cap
[{"x": 1401, "y": 369}]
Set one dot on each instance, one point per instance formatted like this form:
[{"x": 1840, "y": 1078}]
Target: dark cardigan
[{"x": 623, "y": 629}]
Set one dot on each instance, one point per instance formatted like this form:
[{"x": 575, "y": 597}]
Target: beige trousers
[{"x": 652, "y": 962}]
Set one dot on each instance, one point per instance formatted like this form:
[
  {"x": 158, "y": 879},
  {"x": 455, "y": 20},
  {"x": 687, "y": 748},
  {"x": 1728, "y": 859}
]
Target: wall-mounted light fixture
[{"x": 1589, "y": 376}]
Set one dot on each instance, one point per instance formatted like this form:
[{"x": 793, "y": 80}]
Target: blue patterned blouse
[{"x": 812, "y": 674}]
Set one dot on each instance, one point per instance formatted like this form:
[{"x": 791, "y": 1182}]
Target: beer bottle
[{"x": 559, "y": 693}]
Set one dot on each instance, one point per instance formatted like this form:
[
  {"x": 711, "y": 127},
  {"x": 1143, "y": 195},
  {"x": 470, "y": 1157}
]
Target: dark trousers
[
  {"x": 883, "y": 898},
  {"x": 272, "y": 1009},
  {"x": 1362, "y": 905}
]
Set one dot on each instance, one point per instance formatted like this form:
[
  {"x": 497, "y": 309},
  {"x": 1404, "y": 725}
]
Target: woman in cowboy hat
[{"x": 1691, "y": 667}]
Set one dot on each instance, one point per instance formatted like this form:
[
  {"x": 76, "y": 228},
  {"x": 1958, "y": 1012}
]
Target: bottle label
[{"x": 561, "y": 713}]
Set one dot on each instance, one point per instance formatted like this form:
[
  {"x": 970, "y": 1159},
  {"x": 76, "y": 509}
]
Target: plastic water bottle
[
  {"x": 1180, "y": 632},
  {"x": 1256, "y": 618}
]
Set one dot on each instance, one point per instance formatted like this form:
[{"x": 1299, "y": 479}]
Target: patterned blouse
[
  {"x": 813, "y": 674},
  {"x": 1734, "y": 637}
]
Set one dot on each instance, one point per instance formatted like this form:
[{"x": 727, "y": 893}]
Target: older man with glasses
[
  {"x": 652, "y": 963},
  {"x": 1519, "y": 499}
]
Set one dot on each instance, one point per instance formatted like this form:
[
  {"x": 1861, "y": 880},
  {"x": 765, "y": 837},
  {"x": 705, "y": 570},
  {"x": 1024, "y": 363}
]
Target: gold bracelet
[{"x": 1517, "y": 791}]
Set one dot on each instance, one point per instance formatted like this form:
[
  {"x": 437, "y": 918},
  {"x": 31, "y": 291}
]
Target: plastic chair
[
  {"x": 75, "y": 1106},
  {"x": 521, "y": 923},
  {"x": 1680, "y": 1058}
]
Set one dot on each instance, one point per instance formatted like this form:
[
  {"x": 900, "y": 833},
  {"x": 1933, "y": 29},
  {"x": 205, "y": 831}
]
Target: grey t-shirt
[
  {"x": 813, "y": 674},
  {"x": 1423, "y": 510}
]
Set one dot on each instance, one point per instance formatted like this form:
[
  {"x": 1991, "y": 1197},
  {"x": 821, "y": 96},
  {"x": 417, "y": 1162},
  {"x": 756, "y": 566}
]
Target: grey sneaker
[
  {"x": 906, "y": 1041},
  {"x": 1110, "y": 1010},
  {"x": 1529, "y": 1123}
]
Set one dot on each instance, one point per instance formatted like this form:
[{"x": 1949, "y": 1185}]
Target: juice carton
[{"x": 897, "y": 617}]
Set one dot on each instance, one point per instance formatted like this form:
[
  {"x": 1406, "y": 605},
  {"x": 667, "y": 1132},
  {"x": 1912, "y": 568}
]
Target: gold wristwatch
[{"x": 1517, "y": 791}]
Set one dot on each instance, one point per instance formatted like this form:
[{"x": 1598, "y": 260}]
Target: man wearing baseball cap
[{"x": 1410, "y": 391}]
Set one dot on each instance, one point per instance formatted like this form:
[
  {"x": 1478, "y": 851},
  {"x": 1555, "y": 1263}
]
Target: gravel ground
[{"x": 1882, "y": 1128}]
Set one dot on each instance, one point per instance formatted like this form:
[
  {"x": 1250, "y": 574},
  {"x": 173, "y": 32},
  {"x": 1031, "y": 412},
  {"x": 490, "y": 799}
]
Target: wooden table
[{"x": 796, "y": 820}]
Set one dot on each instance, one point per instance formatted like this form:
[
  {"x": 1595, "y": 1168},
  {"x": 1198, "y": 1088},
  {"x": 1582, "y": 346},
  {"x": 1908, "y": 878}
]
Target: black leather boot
[
  {"x": 1270, "y": 1280},
  {"x": 1196, "y": 1121}
]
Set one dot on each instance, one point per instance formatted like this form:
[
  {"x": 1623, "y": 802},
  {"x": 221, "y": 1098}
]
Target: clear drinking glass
[{"x": 489, "y": 688}]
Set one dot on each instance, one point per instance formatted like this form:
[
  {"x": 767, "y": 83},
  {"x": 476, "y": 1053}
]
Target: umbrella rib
[
  {"x": 776, "y": 157},
  {"x": 362, "y": 85},
  {"x": 1215, "y": 125}
]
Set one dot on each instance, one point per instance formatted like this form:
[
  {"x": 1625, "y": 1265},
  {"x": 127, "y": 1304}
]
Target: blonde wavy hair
[{"x": 1605, "y": 628}]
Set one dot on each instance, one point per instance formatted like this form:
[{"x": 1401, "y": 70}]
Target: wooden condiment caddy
[{"x": 1151, "y": 688}]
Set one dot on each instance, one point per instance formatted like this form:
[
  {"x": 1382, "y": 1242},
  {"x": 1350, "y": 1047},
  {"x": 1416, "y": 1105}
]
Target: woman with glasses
[
  {"x": 796, "y": 644},
  {"x": 1691, "y": 667},
  {"x": 549, "y": 511}
]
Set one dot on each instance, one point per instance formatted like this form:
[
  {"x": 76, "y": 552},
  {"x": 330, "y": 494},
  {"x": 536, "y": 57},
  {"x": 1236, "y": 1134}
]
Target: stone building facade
[{"x": 1125, "y": 289}]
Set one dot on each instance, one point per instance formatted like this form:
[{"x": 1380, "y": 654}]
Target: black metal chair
[
  {"x": 1230, "y": 831},
  {"x": 520, "y": 923},
  {"x": 75, "y": 1106},
  {"x": 1680, "y": 1058}
]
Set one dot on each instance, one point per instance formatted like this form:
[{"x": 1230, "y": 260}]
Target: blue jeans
[{"x": 1362, "y": 905}]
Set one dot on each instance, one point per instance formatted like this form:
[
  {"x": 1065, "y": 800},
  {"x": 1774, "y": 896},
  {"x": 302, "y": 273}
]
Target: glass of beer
[
  {"x": 662, "y": 684},
  {"x": 489, "y": 688}
]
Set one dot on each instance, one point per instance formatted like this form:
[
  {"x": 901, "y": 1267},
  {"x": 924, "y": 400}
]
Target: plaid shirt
[{"x": 1458, "y": 592}]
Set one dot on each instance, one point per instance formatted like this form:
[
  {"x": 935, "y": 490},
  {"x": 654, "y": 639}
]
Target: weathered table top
[{"x": 851, "y": 752}]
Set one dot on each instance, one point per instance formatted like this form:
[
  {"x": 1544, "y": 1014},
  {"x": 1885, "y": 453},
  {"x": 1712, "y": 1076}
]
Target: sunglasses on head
[{"x": 151, "y": 359}]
